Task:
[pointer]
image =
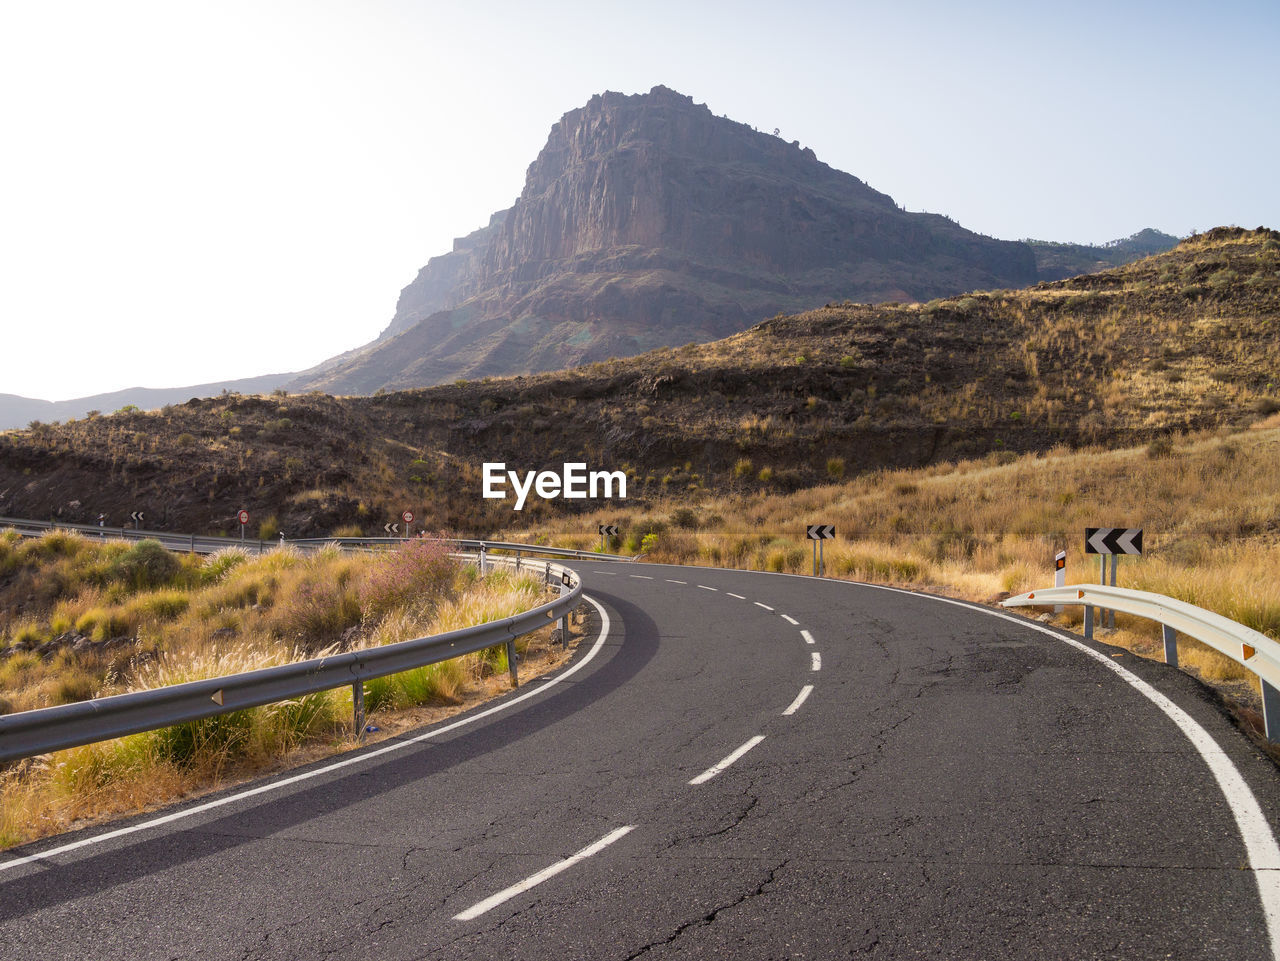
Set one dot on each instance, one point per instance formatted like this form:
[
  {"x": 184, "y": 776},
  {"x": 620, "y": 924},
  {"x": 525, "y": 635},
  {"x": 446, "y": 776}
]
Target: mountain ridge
[{"x": 647, "y": 221}]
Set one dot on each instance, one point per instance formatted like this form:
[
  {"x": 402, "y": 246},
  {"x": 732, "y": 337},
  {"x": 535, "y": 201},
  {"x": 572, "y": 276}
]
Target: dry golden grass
[{"x": 242, "y": 614}]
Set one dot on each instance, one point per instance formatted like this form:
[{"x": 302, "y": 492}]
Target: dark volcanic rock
[{"x": 648, "y": 221}]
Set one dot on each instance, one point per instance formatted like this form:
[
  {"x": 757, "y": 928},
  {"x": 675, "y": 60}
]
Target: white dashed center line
[
  {"x": 705, "y": 588},
  {"x": 711, "y": 772},
  {"x": 790, "y": 620},
  {"x": 670, "y": 581},
  {"x": 643, "y": 577},
  {"x": 817, "y": 661},
  {"x": 808, "y": 638},
  {"x": 800, "y": 699},
  {"x": 738, "y": 596},
  {"x": 534, "y": 880},
  {"x": 765, "y": 606}
]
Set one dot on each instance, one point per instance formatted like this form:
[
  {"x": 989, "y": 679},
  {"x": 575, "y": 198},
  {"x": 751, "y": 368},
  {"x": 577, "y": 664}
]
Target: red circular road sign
[
  {"x": 407, "y": 517},
  {"x": 244, "y": 517}
]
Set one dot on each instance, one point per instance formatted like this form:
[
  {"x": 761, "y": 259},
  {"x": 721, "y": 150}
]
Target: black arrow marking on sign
[
  {"x": 821, "y": 532},
  {"x": 1113, "y": 540},
  {"x": 609, "y": 530}
]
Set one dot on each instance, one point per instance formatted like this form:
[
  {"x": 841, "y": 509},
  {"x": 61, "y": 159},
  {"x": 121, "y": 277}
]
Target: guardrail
[
  {"x": 1247, "y": 647},
  {"x": 85, "y": 722},
  {"x": 204, "y": 544}
]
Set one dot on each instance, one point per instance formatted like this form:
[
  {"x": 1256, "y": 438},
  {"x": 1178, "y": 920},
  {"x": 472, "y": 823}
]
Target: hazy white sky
[{"x": 193, "y": 192}]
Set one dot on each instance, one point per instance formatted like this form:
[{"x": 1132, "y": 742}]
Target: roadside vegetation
[
  {"x": 101, "y": 617},
  {"x": 982, "y": 529}
]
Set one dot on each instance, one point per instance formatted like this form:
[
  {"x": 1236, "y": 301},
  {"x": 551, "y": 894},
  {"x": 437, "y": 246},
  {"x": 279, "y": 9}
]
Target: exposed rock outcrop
[{"x": 648, "y": 221}]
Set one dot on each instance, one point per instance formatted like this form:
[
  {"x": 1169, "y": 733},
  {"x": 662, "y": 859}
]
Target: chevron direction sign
[
  {"x": 821, "y": 532},
  {"x": 608, "y": 530},
  {"x": 1113, "y": 540}
]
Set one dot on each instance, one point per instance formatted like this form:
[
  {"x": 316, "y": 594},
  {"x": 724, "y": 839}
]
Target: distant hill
[
  {"x": 647, "y": 221},
  {"x": 18, "y": 411},
  {"x": 1183, "y": 340},
  {"x": 1056, "y": 261}
]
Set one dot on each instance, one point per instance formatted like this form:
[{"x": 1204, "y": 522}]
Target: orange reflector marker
[
  {"x": 1079, "y": 594},
  {"x": 1248, "y": 651},
  {"x": 1031, "y": 596}
]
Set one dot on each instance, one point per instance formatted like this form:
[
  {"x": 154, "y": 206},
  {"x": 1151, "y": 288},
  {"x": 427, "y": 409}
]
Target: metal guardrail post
[
  {"x": 1270, "y": 711},
  {"x": 512, "y": 660},
  {"x": 357, "y": 704},
  {"x": 1170, "y": 644},
  {"x": 1088, "y": 622}
]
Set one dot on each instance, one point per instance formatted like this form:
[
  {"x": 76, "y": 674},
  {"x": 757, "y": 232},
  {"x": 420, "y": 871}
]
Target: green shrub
[
  {"x": 147, "y": 564},
  {"x": 685, "y": 518}
]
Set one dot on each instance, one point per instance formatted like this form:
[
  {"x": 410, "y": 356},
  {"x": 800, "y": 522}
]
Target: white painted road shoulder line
[
  {"x": 360, "y": 758},
  {"x": 705, "y": 588},
  {"x": 738, "y": 596},
  {"x": 800, "y": 699},
  {"x": 711, "y": 772},
  {"x": 790, "y": 620},
  {"x": 765, "y": 606},
  {"x": 488, "y": 904},
  {"x": 808, "y": 638},
  {"x": 817, "y": 661}
]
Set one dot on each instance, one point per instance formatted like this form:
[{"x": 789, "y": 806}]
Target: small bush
[
  {"x": 685, "y": 518},
  {"x": 420, "y": 572},
  {"x": 147, "y": 564}
]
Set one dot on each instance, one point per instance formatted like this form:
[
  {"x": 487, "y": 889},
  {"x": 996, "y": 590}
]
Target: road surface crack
[{"x": 711, "y": 916}]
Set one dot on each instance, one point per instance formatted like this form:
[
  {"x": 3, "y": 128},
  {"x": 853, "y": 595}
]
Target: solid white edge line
[
  {"x": 712, "y": 771},
  {"x": 790, "y": 620},
  {"x": 808, "y": 638},
  {"x": 338, "y": 765},
  {"x": 489, "y": 903},
  {"x": 800, "y": 699},
  {"x": 816, "y": 664},
  {"x": 738, "y": 596},
  {"x": 765, "y": 606},
  {"x": 1259, "y": 841},
  {"x": 705, "y": 588}
]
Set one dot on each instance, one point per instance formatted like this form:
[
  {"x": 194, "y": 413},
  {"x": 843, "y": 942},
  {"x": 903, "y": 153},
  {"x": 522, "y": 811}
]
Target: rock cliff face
[{"x": 647, "y": 221}]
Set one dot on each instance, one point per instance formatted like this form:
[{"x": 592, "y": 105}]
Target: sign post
[
  {"x": 819, "y": 533},
  {"x": 136, "y": 517},
  {"x": 1112, "y": 541},
  {"x": 606, "y": 531},
  {"x": 243, "y": 518}
]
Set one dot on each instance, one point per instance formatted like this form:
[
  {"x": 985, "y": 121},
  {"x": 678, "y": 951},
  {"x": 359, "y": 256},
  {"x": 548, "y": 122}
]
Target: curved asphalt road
[{"x": 954, "y": 785}]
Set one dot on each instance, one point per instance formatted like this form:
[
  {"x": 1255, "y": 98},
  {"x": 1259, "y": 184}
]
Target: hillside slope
[{"x": 1183, "y": 340}]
